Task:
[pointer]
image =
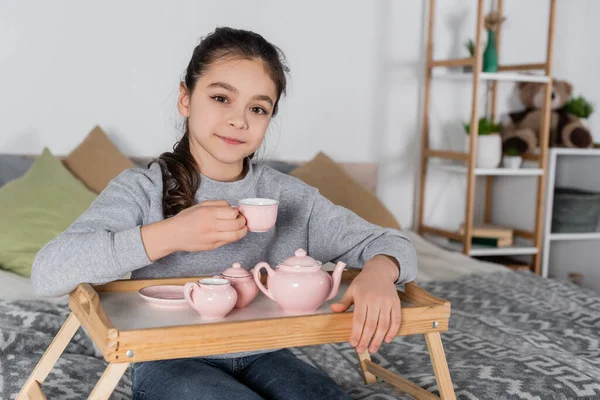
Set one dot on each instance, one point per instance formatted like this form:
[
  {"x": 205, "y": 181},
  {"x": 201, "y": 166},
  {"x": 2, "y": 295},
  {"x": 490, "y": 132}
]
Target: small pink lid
[
  {"x": 236, "y": 271},
  {"x": 300, "y": 259}
]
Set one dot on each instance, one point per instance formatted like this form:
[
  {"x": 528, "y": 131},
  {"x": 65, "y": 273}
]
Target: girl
[{"x": 175, "y": 219}]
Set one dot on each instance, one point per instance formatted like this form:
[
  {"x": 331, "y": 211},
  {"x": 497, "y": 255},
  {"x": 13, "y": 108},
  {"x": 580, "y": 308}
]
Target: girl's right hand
[
  {"x": 204, "y": 226},
  {"x": 208, "y": 225}
]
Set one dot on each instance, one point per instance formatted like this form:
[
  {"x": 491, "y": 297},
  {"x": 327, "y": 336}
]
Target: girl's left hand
[{"x": 376, "y": 304}]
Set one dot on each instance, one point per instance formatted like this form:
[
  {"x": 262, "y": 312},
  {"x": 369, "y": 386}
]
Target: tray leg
[
  {"x": 108, "y": 381},
  {"x": 440, "y": 366},
  {"x": 399, "y": 382},
  {"x": 368, "y": 377},
  {"x": 52, "y": 354}
]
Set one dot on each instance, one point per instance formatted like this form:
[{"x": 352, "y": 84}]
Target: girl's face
[{"x": 229, "y": 109}]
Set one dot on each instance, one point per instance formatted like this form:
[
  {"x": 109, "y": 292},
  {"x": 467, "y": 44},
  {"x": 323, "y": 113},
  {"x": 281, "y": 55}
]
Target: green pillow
[{"x": 36, "y": 208}]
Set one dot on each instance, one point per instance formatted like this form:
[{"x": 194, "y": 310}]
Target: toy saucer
[{"x": 164, "y": 295}]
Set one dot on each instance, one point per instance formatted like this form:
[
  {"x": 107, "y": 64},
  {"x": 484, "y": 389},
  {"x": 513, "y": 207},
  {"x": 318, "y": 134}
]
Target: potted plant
[
  {"x": 489, "y": 143},
  {"x": 512, "y": 158},
  {"x": 581, "y": 108}
]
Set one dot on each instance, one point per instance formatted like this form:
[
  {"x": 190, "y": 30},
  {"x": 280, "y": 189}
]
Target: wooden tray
[{"x": 128, "y": 329}]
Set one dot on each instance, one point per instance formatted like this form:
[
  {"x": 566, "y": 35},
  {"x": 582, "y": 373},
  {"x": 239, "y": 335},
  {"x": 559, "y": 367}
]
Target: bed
[{"x": 512, "y": 334}]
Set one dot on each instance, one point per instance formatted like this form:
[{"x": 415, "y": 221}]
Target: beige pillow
[
  {"x": 337, "y": 185},
  {"x": 96, "y": 161}
]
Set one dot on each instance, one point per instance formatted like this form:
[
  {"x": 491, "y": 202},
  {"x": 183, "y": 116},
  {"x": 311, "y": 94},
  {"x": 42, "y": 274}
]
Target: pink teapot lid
[
  {"x": 300, "y": 259},
  {"x": 236, "y": 271}
]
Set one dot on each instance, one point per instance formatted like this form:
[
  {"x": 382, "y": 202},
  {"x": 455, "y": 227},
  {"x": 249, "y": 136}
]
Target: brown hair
[{"x": 180, "y": 173}]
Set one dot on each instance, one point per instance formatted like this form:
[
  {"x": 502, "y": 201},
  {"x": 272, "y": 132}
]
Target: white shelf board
[
  {"x": 575, "y": 236},
  {"x": 567, "y": 151},
  {"x": 518, "y": 248},
  {"x": 490, "y": 76},
  {"x": 458, "y": 168}
]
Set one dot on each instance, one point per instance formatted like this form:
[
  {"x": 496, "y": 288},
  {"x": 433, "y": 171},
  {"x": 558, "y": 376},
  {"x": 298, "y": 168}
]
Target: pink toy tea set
[{"x": 298, "y": 285}]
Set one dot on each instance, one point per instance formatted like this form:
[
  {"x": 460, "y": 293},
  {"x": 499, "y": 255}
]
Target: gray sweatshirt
[{"x": 104, "y": 244}]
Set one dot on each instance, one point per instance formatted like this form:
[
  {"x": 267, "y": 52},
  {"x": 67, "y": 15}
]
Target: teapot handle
[
  {"x": 188, "y": 288},
  {"x": 256, "y": 273}
]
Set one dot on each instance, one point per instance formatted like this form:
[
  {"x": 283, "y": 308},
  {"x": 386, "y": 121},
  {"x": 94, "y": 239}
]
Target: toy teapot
[
  {"x": 213, "y": 298},
  {"x": 298, "y": 284},
  {"x": 243, "y": 283}
]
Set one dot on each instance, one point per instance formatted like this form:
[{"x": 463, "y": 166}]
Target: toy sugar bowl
[
  {"x": 243, "y": 283},
  {"x": 213, "y": 298}
]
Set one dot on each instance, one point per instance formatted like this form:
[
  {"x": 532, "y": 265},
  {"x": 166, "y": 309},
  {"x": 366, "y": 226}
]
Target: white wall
[{"x": 355, "y": 82}]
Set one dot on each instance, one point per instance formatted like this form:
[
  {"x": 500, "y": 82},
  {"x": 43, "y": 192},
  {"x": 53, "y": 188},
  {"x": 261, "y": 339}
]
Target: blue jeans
[{"x": 275, "y": 375}]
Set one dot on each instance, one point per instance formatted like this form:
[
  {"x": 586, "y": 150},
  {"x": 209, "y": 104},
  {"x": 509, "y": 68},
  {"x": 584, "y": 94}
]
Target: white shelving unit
[{"x": 571, "y": 252}]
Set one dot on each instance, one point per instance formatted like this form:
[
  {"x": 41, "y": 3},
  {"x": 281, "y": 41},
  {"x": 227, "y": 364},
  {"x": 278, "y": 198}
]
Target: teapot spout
[{"x": 336, "y": 276}]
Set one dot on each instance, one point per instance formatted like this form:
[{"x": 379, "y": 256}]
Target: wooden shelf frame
[
  {"x": 470, "y": 61},
  {"x": 422, "y": 313},
  {"x": 492, "y": 76},
  {"x": 470, "y": 157}
]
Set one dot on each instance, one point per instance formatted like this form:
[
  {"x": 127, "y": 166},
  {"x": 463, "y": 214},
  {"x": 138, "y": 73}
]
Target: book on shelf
[
  {"x": 489, "y": 242},
  {"x": 489, "y": 231},
  {"x": 493, "y": 242}
]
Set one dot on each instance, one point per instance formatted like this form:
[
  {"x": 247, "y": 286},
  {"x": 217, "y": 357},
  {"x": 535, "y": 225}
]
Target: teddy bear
[{"x": 522, "y": 130}]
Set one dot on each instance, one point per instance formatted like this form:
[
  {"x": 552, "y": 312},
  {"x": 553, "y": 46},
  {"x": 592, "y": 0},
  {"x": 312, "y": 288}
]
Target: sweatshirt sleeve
[
  {"x": 103, "y": 244},
  {"x": 338, "y": 234}
]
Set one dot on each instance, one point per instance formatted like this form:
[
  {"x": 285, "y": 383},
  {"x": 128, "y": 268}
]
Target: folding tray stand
[{"x": 422, "y": 313}]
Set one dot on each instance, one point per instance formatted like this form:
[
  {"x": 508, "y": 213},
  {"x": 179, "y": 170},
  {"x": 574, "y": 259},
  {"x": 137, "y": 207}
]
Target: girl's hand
[
  {"x": 376, "y": 304},
  {"x": 208, "y": 225},
  {"x": 204, "y": 226}
]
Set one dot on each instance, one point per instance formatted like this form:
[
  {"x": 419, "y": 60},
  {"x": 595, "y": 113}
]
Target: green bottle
[{"x": 490, "y": 55}]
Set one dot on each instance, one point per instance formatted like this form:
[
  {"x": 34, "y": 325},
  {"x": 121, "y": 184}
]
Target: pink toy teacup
[
  {"x": 212, "y": 298},
  {"x": 260, "y": 213},
  {"x": 243, "y": 283}
]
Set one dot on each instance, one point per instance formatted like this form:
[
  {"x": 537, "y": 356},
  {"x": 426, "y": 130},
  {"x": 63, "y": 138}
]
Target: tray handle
[{"x": 420, "y": 297}]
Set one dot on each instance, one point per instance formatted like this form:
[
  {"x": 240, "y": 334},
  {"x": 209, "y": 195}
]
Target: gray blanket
[{"x": 512, "y": 336}]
